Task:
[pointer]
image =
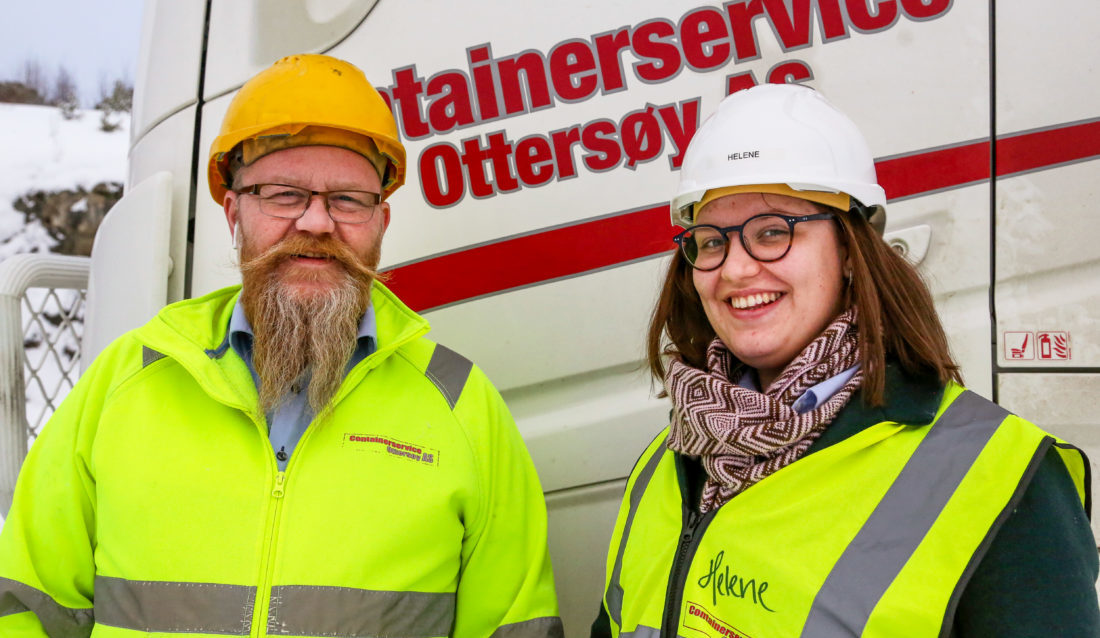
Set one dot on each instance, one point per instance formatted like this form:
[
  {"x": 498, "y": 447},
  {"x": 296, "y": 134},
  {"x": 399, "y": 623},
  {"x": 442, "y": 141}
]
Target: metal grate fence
[
  {"x": 41, "y": 302},
  {"x": 53, "y": 324}
]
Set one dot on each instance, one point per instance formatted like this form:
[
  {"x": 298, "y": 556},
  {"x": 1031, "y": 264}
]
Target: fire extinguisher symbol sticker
[{"x": 1053, "y": 345}]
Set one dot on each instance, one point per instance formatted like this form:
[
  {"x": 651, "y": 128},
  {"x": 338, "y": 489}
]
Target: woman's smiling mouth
[{"x": 752, "y": 301}]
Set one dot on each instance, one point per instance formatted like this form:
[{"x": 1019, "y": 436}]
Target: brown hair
[{"x": 896, "y": 318}]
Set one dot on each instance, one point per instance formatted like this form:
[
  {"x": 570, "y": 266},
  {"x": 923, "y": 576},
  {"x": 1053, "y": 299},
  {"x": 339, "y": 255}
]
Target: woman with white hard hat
[{"x": 825, "y": 473}]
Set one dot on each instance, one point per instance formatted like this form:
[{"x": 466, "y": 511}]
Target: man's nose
[{"x": 316, "y": 219}]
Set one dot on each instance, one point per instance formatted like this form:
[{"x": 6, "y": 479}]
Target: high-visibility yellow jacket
[
  {"x": 152, "y": 503},
  {"x": 874, "y": 536}
]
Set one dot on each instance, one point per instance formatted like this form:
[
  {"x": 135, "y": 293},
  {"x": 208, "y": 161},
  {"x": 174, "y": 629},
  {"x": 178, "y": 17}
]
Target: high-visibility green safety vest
[
  {"x": 873, "y": 536},
  {"x": 152, "y": 504}
]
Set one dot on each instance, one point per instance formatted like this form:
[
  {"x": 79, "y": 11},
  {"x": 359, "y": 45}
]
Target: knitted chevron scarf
[{"x": 743, "y": 435}]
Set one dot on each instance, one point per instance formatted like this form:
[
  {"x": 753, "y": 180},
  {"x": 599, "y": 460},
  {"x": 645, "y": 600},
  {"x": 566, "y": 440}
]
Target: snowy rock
[{"x": 44, "y": 152}]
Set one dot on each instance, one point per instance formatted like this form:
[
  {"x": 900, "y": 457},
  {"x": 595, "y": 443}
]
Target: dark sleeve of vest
[
  {"x": 1038, "y": 577},
  {"x": 601, "y": 628}
]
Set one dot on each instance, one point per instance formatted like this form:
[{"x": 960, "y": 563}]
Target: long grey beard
[
  {"x": 304, "y": 340},
  {"x": 307, "y": 337}
]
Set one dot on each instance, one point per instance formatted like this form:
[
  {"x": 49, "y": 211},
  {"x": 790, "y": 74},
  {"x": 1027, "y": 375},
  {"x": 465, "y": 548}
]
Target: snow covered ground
[{"x": 41, "y": 150}]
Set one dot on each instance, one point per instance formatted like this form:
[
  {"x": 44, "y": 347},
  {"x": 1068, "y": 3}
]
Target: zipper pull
[
  {"x": 694, "y": 518},
  {"x": 278, "y": 491}
]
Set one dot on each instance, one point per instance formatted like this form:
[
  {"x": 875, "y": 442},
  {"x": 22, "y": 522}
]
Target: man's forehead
[{"x": 334, "y": 167}]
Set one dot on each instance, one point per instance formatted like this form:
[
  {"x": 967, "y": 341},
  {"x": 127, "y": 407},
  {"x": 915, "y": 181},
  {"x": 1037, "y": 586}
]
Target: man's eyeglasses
[
  {"x": 765, "y": 238},
  {"x": 291, "y": 202}
]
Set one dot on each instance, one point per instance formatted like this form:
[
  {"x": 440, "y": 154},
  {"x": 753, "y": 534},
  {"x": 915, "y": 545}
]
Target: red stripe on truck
[
  {"x": 529, "y": 259},
  {"x": 1028, "y": 151},
  {"x": 609, "y": 241},
  {"x": 928, "y": 171}
]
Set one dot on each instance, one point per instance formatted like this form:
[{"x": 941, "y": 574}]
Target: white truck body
[{"x": 543, "y": 141}]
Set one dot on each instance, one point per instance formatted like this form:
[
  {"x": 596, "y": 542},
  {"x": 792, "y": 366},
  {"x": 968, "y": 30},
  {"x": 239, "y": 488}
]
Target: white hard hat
[{"x": 780, "y": 135}]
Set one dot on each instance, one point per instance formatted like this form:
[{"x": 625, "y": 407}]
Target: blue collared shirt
[
  {"x": 811, "y": 398},
  {"x": 289, "y": 422}
]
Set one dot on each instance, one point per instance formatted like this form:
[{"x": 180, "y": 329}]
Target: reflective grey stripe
[
  {"x": 58, "y": 621},
  {"x": 219, "y": 352},
  {"x": 449, "y": 370},
  {"x": 174, "y": 607},
  {"x": 548, "y": 627},
  {"x": 148, "y": 355},
  {"x": 614, "y": 596},
  {"x": 641, "y": 632},
  {"x": 300, "y": 610},
  {"x": 902, "y": 518}
]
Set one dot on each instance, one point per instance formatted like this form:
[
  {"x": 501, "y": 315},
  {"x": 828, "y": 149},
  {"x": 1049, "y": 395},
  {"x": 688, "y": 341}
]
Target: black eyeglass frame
[
  {"x": 725, "y": 231},
  {"x": 255, "y": 191}
]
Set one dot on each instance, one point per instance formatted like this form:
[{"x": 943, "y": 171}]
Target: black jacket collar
[{"x": 912, "y": 400}]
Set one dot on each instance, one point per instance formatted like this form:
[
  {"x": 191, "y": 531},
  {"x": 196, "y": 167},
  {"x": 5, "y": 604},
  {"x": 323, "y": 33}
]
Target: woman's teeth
[{"x": 751, "y": 301}]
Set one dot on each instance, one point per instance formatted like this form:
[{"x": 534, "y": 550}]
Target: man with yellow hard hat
[{"x": 289, "y": 457}]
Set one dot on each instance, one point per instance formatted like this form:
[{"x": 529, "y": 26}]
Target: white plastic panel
[
  {"x": 213, "y": 258},
  {"x": 585, "y": 429},
  {"x": 1046, "y": 68},
  {"x": 248, "y": 35},
  {"x": 128, "y": 282},
  {"x": 581, "y": 521},
  {"x": 1048, "y": 269},
  {"x": 1048, "y": 243},
  {"x": 168, "y": 147},
  {"x": 169, "y": 59}
]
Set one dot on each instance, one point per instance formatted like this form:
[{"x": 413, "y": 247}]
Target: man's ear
[
  {"x": 385, "y": 206},
  {"x": 229, "y": 204}
]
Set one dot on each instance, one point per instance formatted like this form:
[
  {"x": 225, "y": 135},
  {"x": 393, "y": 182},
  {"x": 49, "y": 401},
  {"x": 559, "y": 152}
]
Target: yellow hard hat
[{"x": 303, "y": 100}]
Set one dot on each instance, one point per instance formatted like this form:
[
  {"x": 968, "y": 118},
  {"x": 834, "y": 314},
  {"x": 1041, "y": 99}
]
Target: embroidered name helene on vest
[{"x": 723, "y": 583}]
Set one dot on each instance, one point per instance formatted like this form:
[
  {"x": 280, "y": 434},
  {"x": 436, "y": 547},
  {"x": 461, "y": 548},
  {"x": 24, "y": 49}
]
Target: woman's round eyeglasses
[{"x": 765, "y": 237}]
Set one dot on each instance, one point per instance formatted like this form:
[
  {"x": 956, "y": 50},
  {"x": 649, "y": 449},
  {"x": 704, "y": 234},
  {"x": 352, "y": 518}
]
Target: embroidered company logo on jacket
[
  {"x": 702, "y": 620},
  {"x": 382, "y": 444}
]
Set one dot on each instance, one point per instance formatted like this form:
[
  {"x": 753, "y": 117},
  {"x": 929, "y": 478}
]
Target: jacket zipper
[
  {"x": 691, "y": 535},
  {"x": 685, "y": 551},
  {"x": 261, "y": 615}
]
